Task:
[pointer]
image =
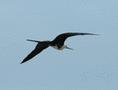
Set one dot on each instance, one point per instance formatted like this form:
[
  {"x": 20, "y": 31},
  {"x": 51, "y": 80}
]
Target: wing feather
[
  {"x": 40, "y": 47},
  {"x": 60, "y": 39}
]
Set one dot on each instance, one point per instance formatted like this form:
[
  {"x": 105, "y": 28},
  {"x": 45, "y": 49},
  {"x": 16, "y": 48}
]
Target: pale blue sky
[{"x": 93, "y": 65}]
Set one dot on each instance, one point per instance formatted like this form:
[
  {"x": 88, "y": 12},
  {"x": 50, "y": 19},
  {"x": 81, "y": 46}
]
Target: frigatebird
[{"x": 57, "y": 43}]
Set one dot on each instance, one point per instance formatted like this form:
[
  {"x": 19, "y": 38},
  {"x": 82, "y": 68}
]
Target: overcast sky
[{"x": 92, "y": 65}]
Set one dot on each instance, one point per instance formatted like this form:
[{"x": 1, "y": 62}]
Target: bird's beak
[
  {"x": 69, "y": 48},
  {"x": 32, "y": 40}
]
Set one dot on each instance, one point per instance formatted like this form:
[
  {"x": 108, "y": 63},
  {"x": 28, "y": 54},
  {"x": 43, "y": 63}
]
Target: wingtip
[
  {"x": 97, "y": 34},
  {"x": 93, "y": 34},
  {"x": 22, "y": 62},
  {"x": 88, "y": 34}
]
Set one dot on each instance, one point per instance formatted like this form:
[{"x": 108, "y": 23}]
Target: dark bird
[{"x": 57, "y": 43}]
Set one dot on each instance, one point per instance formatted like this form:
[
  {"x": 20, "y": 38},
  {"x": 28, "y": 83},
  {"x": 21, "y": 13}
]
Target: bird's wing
[
  {"x": 40, "y": 47},
  {"x": 62, "y": 37}
]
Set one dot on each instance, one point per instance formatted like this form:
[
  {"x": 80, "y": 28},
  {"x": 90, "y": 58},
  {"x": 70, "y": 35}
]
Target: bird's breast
[{"x": 58, "y": 48}]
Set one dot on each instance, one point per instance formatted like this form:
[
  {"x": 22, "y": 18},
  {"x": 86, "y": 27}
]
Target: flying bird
[{"x": 57, "y": 43}]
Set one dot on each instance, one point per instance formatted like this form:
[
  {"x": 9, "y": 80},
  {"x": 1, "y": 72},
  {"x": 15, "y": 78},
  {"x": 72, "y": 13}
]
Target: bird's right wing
[
  {"x": 60, "y": 39},
  {"x": 40, "y": 47}
]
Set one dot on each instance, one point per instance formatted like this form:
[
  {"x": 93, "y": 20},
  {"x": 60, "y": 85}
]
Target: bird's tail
[{"x": 33, "y": 40}]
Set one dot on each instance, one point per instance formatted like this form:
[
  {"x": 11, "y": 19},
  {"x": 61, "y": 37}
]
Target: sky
[{"x": 92, "y": 65}]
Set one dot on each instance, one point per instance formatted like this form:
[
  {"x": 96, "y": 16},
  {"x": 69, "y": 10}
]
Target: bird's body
[
  {"x": 57, "y": 43},
  {"x": 58, "y": 48}
]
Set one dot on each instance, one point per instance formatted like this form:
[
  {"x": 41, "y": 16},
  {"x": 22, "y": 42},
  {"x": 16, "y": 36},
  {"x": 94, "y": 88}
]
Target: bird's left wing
[{"x": 40, "y": 47}]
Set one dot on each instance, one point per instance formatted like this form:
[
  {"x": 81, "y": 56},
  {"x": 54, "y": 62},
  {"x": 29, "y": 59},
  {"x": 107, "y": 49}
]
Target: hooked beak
[{"x": 69, "y": 48}]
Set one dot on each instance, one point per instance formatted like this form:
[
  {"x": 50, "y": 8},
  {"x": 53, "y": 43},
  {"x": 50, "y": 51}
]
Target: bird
[{"x": 57, "y": 43}]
